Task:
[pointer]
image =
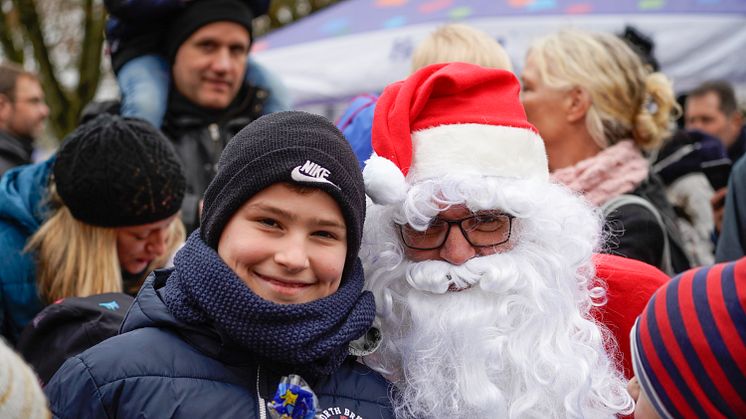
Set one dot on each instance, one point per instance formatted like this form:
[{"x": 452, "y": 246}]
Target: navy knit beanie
[
  {"x": 292, "y": 147},
  {"x": 118, "y": 172}
]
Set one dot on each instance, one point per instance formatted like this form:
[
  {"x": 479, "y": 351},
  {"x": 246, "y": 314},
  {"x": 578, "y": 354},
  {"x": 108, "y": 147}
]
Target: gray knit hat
[{"x": 292, "y": 147}]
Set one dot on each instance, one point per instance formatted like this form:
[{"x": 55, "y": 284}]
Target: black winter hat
[
  {"x": 199, "y": 13},
  {"x": 292, "y": 147},
  {"x": 117, "y": 172}
]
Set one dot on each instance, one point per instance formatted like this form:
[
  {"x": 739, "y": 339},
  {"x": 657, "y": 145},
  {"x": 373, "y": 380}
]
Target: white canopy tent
[{"x": 359, "y": 46}]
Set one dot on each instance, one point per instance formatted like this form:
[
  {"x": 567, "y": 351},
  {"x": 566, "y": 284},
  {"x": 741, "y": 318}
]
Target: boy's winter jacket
[{"x": 181, "y": 354}]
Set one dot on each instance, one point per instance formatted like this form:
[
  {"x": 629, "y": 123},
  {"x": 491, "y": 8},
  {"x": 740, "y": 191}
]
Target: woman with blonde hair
[
  {"x": 448, "y": 43},
  {"x": 459, "y": 42},
  {"x": 599, "y": 109},
  {"x": 93, "y": 219}
]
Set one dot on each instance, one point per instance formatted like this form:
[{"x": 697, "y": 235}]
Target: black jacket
[
  {"x": 633, "y": 231},
  {"x": 200, "y": 135},
  {"x": 160, "y": 367},
  {"x": 13, "y": 151}
]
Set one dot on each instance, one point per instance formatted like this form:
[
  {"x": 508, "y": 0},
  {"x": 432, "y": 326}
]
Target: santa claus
[{"x": 481, "y": 267}]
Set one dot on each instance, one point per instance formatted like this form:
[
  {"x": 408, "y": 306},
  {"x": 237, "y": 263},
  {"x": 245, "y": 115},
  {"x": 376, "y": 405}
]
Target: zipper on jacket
[
  {"x": 214, "y": 131},
  {"x": 262, "y": 403}
]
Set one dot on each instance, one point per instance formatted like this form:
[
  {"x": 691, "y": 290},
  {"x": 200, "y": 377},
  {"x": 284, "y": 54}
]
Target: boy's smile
[{"x": 287, "y": 243}]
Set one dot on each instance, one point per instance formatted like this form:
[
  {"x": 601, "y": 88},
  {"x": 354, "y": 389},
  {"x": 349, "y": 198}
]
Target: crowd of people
[{"x": 469, "y": 242}]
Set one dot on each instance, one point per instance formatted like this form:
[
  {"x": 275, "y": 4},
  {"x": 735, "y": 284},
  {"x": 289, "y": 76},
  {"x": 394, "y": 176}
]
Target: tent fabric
[{"x": 360, "y": 46}]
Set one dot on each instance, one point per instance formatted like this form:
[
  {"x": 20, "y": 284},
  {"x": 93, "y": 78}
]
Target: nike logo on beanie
[{"x": 311, "y": 172}]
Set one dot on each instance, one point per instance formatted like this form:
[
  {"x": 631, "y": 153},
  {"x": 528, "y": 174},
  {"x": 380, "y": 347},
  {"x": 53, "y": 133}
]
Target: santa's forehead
[{"x": 476, "y": 192}]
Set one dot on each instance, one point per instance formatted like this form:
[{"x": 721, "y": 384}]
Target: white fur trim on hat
[
  {"x": 481, "y": 149},
  {"x": 384, "y": 182}
]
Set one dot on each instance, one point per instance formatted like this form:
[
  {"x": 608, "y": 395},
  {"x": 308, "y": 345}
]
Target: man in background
[
  {"x": 22, "y": 115},
  {"x": 712, "y": 109},
  {"x": 205, "y": 45}
]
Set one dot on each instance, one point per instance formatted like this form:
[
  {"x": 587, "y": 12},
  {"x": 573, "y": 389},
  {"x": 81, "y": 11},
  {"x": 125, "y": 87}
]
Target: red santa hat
[{"x": 453, "y": 118}]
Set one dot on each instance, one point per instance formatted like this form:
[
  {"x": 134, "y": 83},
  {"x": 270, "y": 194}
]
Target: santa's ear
[{"x": 578, "y": 102}]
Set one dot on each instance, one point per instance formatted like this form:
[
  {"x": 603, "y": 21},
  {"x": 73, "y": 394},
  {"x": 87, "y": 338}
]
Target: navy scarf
[{"x": 311, "y": 337}]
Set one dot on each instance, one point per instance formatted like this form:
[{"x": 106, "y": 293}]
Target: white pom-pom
[{"x": 384, "y": 182}]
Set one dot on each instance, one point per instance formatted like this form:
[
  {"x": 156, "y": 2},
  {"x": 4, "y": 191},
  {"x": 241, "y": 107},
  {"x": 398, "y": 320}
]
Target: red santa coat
[{"x": 629, "y": 285}]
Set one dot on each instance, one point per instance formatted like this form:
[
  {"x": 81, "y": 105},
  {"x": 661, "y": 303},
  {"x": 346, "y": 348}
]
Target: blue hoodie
[{"x": 21, "y": 192}]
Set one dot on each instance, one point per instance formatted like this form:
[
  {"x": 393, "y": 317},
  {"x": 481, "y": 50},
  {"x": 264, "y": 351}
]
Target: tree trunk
[{"x": 65, "y": 103}]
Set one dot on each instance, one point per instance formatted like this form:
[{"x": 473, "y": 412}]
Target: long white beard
[{"x": 517, "y": 343}]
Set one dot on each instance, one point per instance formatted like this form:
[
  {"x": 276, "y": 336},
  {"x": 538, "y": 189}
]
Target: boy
[{"x": 269, "y": 286}]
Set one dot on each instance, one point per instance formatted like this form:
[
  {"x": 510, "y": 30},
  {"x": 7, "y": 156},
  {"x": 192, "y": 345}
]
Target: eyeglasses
[{"x": 483, "y": 229}]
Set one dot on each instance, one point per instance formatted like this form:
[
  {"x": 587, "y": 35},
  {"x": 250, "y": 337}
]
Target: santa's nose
[{"x": 456, "y": 250}]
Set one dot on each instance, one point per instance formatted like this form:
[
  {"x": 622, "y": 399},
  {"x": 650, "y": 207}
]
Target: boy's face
[{"x": 288, "y": 245}]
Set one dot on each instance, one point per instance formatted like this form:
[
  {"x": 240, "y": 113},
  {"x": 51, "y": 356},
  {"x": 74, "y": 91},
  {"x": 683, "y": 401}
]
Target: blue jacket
[
  {"x": 357, "y": 126},
  {"x": 21, "y": 193},
  {"x": 159, "y": 367}
]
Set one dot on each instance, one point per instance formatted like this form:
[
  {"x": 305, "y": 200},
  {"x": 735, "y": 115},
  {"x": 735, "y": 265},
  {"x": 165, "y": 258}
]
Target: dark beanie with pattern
[
  {"x": 199, "y": 13},
  {"x": 292, "y": 147},
  {"x": 116, "y": 172}
]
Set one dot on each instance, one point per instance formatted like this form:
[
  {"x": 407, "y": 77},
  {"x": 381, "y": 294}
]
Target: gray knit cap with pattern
[{"x": 292, "y": 147}]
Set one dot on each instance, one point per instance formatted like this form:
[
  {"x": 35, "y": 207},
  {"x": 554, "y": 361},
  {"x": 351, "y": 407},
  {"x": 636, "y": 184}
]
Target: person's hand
[{"x": 718, "y": 207}]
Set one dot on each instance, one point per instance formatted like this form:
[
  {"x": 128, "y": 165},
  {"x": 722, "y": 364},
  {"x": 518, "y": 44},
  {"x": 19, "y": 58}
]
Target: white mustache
[{"x": 438, "y": 277}]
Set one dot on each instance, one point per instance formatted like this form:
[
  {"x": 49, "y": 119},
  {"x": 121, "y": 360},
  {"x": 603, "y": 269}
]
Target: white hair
[{"x": 519, "y": 341}]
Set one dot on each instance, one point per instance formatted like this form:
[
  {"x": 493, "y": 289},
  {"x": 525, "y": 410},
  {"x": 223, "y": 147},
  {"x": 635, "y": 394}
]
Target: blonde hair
[
  {"x": 75, "y": 259},
  {"x": 176, "y": 237},
  {"x": 458, "y": 42},
  {"x": 627, "y": 99}
]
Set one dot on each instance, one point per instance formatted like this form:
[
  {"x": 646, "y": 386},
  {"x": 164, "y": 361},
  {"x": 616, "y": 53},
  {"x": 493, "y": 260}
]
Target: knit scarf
[
  {"x": 311, "y": 337},
  {"x": 614, "y": 171}
]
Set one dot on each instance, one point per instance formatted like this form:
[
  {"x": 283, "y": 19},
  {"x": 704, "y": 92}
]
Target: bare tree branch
[
  {"x": 89, "y": 65},
  {"x": 11, "y": 51},
  {"x": 57, "y": 98}
]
